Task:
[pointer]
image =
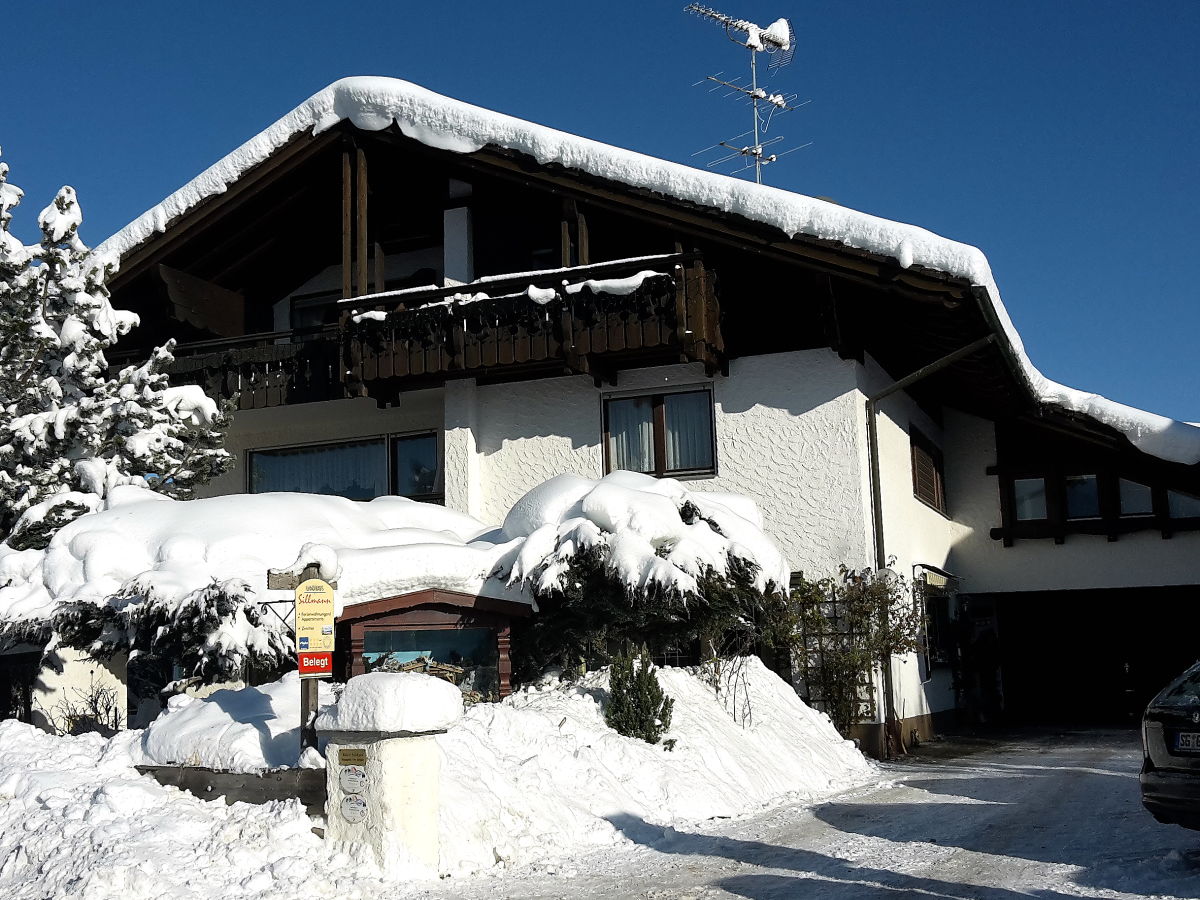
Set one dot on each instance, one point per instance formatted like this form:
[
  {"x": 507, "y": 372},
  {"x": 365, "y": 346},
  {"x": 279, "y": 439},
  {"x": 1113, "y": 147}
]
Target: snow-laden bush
[
  {"x": 69, "y": 430},
  {"x": 635, "y": 560}
]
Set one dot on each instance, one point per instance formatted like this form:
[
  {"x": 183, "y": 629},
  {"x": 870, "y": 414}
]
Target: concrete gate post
[{"x": 384, "y": 795}]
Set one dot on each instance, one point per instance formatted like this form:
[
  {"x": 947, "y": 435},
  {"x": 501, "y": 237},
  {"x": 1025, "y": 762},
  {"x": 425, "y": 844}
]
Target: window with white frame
[{"x": 661, "y": 434}]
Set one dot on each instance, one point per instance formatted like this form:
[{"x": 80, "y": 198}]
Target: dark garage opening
[{"x": 1092, "y": 657}]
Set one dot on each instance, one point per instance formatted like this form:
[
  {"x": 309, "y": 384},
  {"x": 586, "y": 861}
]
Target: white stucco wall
[
  {"x": 1083, "y": 561},
  {"x": 789, "y": 434},
  {"x": 786, "y": 435},
  {"x": 915, "y": 534},
  {"x": 77, "y": 689}
]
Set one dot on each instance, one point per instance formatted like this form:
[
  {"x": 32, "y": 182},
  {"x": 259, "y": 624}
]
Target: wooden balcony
[
  {"x": 579, "y": 320},
  {"x": 264, "y": 370}
]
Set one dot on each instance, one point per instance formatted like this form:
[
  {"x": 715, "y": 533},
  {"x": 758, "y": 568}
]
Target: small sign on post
[
  {"x": 314, "y": 628},
  {"x": 314, "y": 631}
]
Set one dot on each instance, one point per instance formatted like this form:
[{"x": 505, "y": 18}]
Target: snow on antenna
[{"x": 779, "y": 42}]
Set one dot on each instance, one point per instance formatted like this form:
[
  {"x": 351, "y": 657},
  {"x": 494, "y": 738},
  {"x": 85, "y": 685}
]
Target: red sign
[{"x": 315, "y": 665}]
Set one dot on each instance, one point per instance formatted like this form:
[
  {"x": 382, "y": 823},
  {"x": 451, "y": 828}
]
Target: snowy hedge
[{"x": 183, "y": 580}]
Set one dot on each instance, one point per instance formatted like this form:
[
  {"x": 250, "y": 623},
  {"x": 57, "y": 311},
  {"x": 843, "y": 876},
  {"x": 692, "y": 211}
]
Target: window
[
  {"x": 1183, "y": 506},
  {"x": 466, "y": 657},
  {"x": 1083, "y": 497},
  {"x": 407, "y": 465},
  {"x": 660, "y": 434},
  {"x": 356, "y": 470},
  {"x": 1030, "y": 495},
  {"x": 1136, "y": 499},
  {"x": 415, "y": 465},
  {"x": 928, "y": 471}
]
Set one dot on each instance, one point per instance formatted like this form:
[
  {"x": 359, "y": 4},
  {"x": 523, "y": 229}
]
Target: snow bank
[
  {"x": 540, "y": 774},
  {"x": 145, "y": 548},
  {"x": 374, "y": 103},
  {"x": 145, "y": 545},
  {"x": 245, "y": 730},
  {"x": 76, "y": 820},
  {"x": 393, "y": 701},
  {"x": 529, "y": 778}
]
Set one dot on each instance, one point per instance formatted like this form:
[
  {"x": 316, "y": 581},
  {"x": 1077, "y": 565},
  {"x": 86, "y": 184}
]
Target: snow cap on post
[{"x": 393, "y": 703}]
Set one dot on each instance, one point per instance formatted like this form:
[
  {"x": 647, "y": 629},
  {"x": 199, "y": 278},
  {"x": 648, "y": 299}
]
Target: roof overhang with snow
[{"x": 823, "y": 231}]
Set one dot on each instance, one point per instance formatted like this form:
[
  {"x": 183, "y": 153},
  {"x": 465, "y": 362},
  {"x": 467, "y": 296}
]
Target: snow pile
[
  {"x": 76, "y": 820},
  {"x": 374, "y": 103},
  {"x": 144, "y": 547},
  {"x": 393, "y": 702},
  {"x": 527, "y": 779},
  {"x": 243, "y": 730},
  {"x": 540, "y": 774},
  {"x": 146, "y": 550}
]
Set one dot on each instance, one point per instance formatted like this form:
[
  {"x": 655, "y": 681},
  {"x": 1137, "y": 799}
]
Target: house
[{"x": 412, "y": 295}]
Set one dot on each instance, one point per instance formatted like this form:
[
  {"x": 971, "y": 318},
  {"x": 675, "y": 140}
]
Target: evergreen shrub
[{"x": 637, "y": 706}]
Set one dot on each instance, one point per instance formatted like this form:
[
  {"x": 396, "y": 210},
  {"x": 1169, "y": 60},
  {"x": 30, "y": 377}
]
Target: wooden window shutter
[{"x": 929, "y": 483}]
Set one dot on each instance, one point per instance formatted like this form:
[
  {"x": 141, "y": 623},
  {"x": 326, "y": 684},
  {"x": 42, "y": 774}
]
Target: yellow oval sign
[{"x": 314, "y": 616}]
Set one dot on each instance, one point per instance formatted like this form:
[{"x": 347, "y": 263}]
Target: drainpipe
[{"x": 881, "y": 561}]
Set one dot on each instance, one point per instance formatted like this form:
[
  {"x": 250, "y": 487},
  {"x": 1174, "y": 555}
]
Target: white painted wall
[
  {"x": 915, "y": 534},
  {"x": 402, "y": 792},
  {"x": 786, "y": 436},
  {"x": 1083, "y": 561},
  {"x": 59, "y": 694}
]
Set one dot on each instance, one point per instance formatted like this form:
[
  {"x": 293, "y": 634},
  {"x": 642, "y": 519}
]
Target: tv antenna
[{"x": 778, "y": 41}]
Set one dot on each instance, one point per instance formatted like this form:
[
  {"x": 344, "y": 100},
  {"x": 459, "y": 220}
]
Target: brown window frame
[
  {"x": 1111, "y": 522},
  {"x": 388, "y": 440},
  {"x": 922, "y": 449},
  {"x": 659, "y": 424}
]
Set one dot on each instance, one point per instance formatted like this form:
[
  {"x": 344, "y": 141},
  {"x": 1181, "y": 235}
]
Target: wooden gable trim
[
  {"x": 711, "y": 224},
  {"x": 301, "y": 148},
  {"x": 727, "y": 229},
  {"x": 372, "y": 608}
]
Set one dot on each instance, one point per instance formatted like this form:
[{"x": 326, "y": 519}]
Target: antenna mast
[{"x": 779, "y": 41}]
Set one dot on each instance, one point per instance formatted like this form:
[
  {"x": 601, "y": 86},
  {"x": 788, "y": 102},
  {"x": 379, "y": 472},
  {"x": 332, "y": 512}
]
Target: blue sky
[{"x": 1061, "y": 138}]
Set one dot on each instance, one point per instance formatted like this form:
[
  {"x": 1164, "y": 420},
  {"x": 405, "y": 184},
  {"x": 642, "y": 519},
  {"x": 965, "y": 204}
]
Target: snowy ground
[{"x": 1045, "y": 816}]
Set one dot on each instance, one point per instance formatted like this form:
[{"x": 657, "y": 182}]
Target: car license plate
[{"x": 1188, "y": 741}]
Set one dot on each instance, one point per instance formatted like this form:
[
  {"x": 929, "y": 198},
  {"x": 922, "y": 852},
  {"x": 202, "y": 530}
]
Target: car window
[{"x": 1184, "y": 691}]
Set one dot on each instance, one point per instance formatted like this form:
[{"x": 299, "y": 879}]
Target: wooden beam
[
  {"x": 256, "y": 227},
  {"x": 347, "y": 237},
  {"x": 565, "y": 235},
  {"x": 204, "y": 304},
  {"x": 582, "y": 229},
  {"x": 380, "y": 269},
  {"x": 361, "y": 245}
]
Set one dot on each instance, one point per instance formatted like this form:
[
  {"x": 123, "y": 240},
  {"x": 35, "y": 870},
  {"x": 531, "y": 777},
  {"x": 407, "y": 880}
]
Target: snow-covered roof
[{"x": 375, "y": 103}]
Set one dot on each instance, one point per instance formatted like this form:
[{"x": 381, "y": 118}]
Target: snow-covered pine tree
[{"x": 69, "y": 431}]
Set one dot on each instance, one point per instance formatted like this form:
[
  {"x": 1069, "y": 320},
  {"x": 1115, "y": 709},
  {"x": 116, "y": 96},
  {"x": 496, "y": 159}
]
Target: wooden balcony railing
[
  {"x": 425, "y": 334},
  {"x": 577, "y": 317}
]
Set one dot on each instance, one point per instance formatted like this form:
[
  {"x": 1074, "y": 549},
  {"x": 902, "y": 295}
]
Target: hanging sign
[{"x": 314, "y": 628}]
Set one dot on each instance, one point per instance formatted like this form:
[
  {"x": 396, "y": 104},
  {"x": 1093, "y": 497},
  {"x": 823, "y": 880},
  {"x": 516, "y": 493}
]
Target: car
[{"x": 1170, "y": 776}]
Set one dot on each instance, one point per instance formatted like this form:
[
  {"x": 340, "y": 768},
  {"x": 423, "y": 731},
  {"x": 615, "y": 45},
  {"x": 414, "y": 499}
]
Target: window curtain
[
  {"x": 689, "y": 431},
  {"x": 631, "y": 434},
  {"x": 357, "y": 471}
]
